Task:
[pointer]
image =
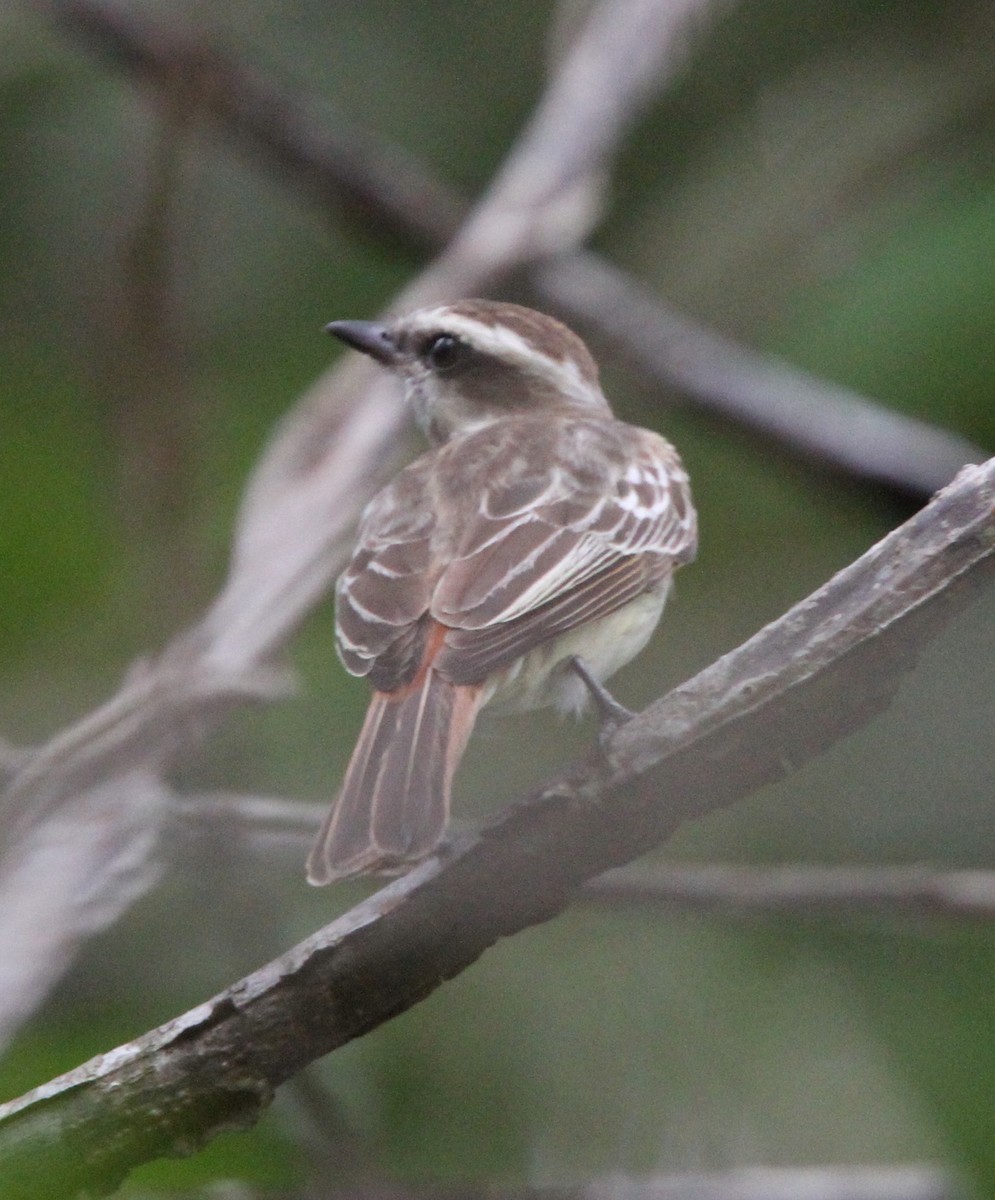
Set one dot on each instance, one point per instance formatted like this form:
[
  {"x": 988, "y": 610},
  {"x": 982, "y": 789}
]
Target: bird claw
[{"x": 611, "y": 714}]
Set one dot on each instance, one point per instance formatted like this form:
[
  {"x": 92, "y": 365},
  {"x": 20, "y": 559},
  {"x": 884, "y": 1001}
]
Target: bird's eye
[{"x": 442, "y": 351}]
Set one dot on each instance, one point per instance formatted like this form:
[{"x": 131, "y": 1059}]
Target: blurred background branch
[
  {"x": 389, "y": 194},
  {"x": 268, "y": 824},
  {"x": 802, "y": 889},
  {"x": 911, "y": 1182}
]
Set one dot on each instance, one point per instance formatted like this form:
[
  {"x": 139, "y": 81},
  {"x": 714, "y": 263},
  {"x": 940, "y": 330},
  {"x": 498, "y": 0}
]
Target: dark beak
[{"x": 368, "y": 337}]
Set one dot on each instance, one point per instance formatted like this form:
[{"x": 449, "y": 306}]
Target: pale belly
[{"x": 542, "y": 676}]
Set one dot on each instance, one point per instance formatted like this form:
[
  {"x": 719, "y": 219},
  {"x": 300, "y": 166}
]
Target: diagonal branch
[
  {"x": 798, "y": 685},
  {"x": 820, "y": 420},
  {"x": 312, "y": 150},
  {"x": 392, "y": 195}
]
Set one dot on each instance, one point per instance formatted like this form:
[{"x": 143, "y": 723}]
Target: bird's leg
[{"x": 611, "y": 715}]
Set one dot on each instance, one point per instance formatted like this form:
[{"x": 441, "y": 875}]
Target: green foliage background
[{"x": 819, "y": 183}]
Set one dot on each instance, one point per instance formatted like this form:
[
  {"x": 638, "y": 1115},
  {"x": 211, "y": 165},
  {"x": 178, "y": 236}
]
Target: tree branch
[
  {"x": 311, "y": 149},
  {"x": 347, "y": 168},
  {"x": 820, "y": 420},
  {"x": 728, "y": 889},
  {"x": 800, "y": 890},
  {"x": 794, "y": 688},
  {"x": 913, "y": 1181}
]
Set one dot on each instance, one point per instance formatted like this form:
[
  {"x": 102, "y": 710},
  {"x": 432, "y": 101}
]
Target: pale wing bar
[
  {"x": 528, "y": 561},
  {"x": 386, "y": 589}
]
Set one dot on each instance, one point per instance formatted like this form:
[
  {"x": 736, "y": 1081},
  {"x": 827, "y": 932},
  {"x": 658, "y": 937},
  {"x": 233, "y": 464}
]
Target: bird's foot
[{"x": 611, "y": 714}]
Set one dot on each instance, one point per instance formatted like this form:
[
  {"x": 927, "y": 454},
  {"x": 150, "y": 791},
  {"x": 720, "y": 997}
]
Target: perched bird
[{"x": 520, "y": 561}]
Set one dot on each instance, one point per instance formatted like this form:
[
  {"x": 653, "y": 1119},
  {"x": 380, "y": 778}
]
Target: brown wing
[
  {"x": 508, "y": 537},
  {"x": 383, "y": 595},
  {"x": 570, "y": 525}
]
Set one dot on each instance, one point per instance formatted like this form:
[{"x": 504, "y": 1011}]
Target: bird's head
[{"x": 467, "y": 364}]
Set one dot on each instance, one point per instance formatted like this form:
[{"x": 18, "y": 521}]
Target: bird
[{"x": 519, "y": 562}]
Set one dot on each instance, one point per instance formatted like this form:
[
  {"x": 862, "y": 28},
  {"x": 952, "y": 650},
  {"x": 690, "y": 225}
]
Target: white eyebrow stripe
[
  {"x": 491, "y": 339},
  {"x": 563, "y": 375}
]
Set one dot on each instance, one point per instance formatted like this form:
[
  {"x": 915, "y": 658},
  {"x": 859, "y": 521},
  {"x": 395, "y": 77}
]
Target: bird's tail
[{"x": 394, "y": 803}]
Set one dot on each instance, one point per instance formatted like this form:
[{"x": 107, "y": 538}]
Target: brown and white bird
[{"x": 531, "y": 546}]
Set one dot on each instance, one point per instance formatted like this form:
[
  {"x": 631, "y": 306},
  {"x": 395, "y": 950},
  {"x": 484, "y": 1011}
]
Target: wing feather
[
  {"x": 508, "y": 537},
  {"x": 618, "y": 492},
  {"x": 471, "y": 655},
  {"x": 383, "y": 595}
]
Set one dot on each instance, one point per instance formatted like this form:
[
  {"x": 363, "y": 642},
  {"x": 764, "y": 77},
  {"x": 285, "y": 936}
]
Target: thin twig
[
  {"x": 800, "y": 890},
  {"x": 798, "y": 685},
  {"x": 913, "y": 1181},
  {"x": 727, "y": 889},
  {"x": 264, "y": 817}
]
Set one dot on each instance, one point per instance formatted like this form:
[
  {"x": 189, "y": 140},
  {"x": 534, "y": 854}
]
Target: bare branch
[
  {"x": 790, "y": 691},
  {"x": 819, "y": 419},
  {"x": 788, "y": 1183},
  {"x": 548, "y": 194},
  {"x": 904, "y": 1182},
  {"x": 90, "y": 861},
  {"x": 728, "y": 889},
  {"x": 800, "y": 890},
  {"x": 349, "y": 168},
  {"x": 253, "y": 816},
  {"x": 311, "y": 148},
  {"x": 912, "y": 1182}
]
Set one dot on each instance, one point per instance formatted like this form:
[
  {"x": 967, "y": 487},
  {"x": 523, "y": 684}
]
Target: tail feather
[{"x": 394, "y": 804}]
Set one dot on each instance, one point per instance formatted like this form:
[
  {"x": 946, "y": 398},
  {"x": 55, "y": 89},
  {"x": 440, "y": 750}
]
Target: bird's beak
[{"x": 369, "y": 337}]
